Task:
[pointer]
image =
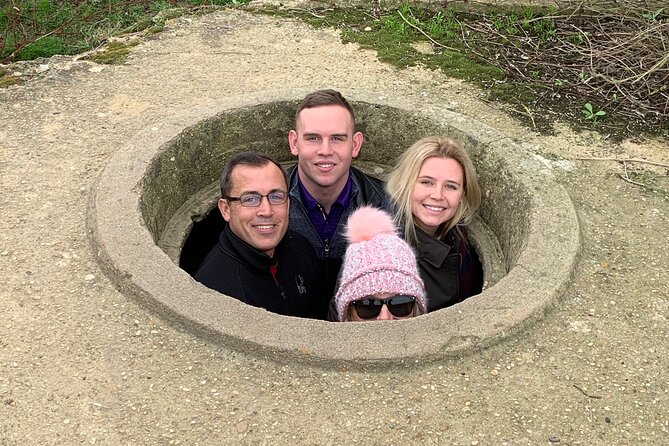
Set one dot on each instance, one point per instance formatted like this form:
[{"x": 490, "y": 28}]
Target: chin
[
  {"x": 326, "y": 182},
  {"x": 431, "y": 222},
  {"x": 266, "y": 246}
]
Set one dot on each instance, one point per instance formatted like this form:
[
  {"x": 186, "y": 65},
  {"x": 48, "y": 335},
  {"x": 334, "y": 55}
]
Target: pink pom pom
[{"x": 367, "y": 222}]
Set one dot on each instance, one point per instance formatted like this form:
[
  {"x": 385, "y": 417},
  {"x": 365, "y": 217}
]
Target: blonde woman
[{"x": 435, "y": 191}]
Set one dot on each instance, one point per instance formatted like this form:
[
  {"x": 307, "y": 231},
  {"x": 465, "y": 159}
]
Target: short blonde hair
[{"x": 402, "y": 180}]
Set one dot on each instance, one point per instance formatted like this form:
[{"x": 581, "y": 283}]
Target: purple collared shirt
[{"x": 326, "y": 224}]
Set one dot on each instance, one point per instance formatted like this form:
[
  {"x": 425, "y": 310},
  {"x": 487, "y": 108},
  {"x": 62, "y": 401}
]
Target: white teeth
[
  {"x": 434, "y": 208},
  {"x": 264, "y": 226},
  {"x": 327, "y": 166}
]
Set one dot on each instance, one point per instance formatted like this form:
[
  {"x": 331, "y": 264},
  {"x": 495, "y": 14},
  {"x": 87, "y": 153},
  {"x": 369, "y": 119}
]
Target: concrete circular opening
[{"x": 145, "y": 201}]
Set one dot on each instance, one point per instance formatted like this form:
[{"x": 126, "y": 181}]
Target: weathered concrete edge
[{"x": 127, "y": 253}]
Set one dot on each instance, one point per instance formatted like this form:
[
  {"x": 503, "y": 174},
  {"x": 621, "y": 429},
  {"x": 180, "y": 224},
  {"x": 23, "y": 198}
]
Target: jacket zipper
[
  {"x": 272, "y": 270},
  {"x": 326, "y": 242},
  {"x": 306, "y": 214}
]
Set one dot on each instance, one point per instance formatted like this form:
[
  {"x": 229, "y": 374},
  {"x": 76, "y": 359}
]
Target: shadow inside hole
[{"x": 201, "y": 239}]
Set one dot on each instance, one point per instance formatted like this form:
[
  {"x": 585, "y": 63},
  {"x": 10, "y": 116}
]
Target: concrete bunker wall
[{"x": 167, "y": 176}]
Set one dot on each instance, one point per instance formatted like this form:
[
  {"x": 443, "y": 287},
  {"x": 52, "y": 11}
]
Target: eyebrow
[
  {"x": 427, "y": 177},
  {"x": 340, "y": 135},
  {"x": 256, "y": 192}
]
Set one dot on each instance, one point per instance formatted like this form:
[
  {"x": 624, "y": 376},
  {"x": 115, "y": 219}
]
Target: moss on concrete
[
  {"x": 6, "y": 80},
  {"x": 115, "y": 53}
]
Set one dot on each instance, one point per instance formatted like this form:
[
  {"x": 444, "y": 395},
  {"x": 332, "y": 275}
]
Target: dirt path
[{"x": 81, "y": 363}]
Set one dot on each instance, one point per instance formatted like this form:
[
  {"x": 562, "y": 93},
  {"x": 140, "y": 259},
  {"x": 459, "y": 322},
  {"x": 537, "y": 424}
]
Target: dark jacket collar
[
  {"x": 242, "y": 251},
  {"x": 363, "y": 189},
  {"x": 432, "y": 250}
]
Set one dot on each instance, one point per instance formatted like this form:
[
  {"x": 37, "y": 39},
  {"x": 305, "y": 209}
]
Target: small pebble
[
  {"x": 89, "y": 277},
  {"x": 242, "y": 426},
  {"x": 553, "y": 439}
]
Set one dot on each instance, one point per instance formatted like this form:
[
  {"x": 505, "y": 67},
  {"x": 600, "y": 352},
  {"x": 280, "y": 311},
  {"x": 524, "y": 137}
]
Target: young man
[
  {"x": 324, "y": 188},
  {"x": 257, "y": 260}
]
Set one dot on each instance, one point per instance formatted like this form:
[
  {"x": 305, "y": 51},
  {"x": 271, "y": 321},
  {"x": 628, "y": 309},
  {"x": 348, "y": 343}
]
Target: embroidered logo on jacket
[{"x": 299, "y": 283}]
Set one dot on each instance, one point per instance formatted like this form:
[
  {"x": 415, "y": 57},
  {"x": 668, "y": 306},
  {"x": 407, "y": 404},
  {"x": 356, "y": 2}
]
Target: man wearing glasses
[{"x": 257, "y": 260}]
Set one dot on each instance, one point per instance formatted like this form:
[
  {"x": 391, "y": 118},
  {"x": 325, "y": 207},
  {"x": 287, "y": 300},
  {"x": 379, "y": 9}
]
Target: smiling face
[
  {"x": 325, "y": 144},
  {"x": 263, "y": 226},
  {"x": 437, "y": 193}
]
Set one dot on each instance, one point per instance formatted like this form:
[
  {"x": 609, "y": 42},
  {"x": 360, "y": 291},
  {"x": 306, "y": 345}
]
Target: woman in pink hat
[{"x": 379, "y": 277}]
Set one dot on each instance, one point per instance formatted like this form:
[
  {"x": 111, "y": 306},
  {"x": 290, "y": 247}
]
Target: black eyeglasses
[
  {"x": 399, "y": 305},
  {"x": 253, "y": 200}
]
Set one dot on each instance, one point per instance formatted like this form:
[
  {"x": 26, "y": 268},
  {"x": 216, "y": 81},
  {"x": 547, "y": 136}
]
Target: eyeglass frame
[
  {"x": 240, "y": 199},
  {"x": 385, "y": 302}
]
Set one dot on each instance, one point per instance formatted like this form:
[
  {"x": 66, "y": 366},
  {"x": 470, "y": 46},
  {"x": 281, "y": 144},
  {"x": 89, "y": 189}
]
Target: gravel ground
[{"x": 81, "y": 363}]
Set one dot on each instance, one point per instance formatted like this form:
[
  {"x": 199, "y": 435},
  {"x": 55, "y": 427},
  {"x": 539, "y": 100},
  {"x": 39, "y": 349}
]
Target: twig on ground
[
  {"x": 310, "y": 11},
  {"x": 624, "y": 160},
  {"x": 425, "y": 34},
  {"x": 606, "y": 55},
  {"x": 627, "y": 178},
  {"x": 530, "y": 114},
  {"x": 584, "y": 393}
]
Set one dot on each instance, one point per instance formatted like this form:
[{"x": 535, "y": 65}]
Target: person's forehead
[
  {"x": 324, "y": 117},
  {"x": 258, "y": 178},
  {"x": 439, "y": 167}
]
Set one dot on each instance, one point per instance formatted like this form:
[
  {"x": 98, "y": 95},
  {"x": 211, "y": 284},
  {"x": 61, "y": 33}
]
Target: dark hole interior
[{"x": 202, "y": 237}]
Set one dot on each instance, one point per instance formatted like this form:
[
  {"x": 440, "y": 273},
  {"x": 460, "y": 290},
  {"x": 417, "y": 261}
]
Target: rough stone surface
[
  {"x": 532, "y": 213},
  {"x": 81, "y": 363}
]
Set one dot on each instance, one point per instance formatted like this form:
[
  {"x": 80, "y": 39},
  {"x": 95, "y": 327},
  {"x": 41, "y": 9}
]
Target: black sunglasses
[{"x": 399, "y": 305}]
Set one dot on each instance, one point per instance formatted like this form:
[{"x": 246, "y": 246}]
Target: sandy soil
[{"x": 81, "y": 363}]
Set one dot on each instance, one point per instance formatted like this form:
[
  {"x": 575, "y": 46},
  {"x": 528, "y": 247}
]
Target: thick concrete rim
[{"x": 539, "y": 272}]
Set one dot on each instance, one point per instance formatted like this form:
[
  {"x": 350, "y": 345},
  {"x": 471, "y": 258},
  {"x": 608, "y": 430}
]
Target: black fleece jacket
[{"x": 284, "y": 284}]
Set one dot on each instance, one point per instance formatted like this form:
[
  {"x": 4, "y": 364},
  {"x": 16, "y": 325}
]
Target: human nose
[
  {"x": 384, "y": 315},
  {"x": 436, "y": 193},
  {"x": 324, "y": 147},
  {"x": 265, "y": 207}
]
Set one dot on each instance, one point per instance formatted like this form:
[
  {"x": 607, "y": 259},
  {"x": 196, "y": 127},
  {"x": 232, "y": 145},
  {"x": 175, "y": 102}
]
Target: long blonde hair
[{"x": 402, "y": 180}]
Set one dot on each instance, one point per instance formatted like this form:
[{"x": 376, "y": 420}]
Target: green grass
[
  {"x": 392, "y": 36},
  {"x": 30, "y": 29},
  {"x": 41, "y": 28},
  {"x": 393, "y": 33}
]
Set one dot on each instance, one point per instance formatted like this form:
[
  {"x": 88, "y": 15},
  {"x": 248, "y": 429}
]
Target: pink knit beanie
[{"x": 377, "y": 260}]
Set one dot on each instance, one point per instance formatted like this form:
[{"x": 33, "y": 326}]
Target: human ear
[
  {"x": 292, "y": 141},
  {"x": 358, "y": 139},
  {"x": 224, "y": 209}
]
